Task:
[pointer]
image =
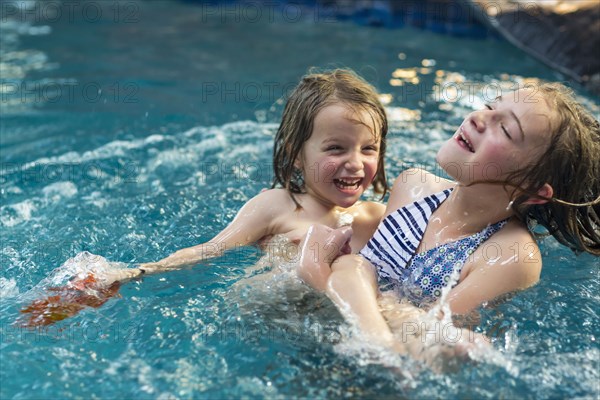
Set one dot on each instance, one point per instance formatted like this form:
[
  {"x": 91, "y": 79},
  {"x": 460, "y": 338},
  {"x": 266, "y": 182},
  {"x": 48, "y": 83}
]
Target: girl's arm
[
  {"x": 510, "y": 270},
  {"x": 253, "y": 222},
  {"x": 352, "y": 286}
]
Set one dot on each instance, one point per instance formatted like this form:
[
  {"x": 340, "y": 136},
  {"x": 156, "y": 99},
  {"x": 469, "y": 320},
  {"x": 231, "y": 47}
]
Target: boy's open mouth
[{"x": 347, "y": 183}]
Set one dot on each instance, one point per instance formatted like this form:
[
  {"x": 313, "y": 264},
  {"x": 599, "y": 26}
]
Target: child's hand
[
  {"x": 91, "y": 290},
  {"x": 321, "y": 246},
  {"x": 156, "y": 267}
]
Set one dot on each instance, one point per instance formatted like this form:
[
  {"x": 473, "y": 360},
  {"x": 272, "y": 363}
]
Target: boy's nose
[{"x": 353, "y": 163}]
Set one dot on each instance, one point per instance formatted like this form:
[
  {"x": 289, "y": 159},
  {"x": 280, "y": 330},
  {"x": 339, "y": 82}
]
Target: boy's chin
[{"x": 350, "y": 201}]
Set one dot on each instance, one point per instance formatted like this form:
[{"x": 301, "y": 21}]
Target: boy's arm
[{"x": 253, "y": 222}]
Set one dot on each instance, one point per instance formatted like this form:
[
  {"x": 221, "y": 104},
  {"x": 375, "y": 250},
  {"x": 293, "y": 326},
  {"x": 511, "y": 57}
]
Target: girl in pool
[
  {"x": 328, "y": 150},
  {"x": 530, "y": 158}
]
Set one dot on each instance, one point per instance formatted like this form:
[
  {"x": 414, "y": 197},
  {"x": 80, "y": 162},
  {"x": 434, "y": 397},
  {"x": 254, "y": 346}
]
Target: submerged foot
[{"x": 321, "y": 246}]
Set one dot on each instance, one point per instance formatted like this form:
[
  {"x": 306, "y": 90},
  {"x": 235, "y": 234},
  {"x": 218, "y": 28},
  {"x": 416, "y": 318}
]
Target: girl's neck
[{"x": 469, "y": 209}]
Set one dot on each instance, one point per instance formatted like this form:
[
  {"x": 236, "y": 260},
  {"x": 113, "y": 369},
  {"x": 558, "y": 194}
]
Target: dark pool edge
[
  {"x": 564, "y": 36},
  {"x": 558, "y": 39}
]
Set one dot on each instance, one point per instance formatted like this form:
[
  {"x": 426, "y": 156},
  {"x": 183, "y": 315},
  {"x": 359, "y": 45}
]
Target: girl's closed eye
[
  {"x": 506, "y": 132},
  {"x": 502, "y": 126}
]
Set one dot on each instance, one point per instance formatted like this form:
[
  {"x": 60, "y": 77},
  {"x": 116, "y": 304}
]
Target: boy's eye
[
  {"x": 333, "y": 148},
  {"x": 371, "y": 148},
  {"x": 488, "y": 107}
]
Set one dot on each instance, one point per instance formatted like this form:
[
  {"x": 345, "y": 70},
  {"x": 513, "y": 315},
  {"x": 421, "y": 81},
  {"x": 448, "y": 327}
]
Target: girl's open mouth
[{"x": 464, "y": 142}]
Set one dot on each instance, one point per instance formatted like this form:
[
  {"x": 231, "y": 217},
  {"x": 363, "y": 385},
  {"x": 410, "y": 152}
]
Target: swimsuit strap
[{"x": 399, "y": 234}]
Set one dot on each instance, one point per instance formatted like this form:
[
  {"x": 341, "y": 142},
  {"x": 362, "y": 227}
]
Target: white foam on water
[
  {"x": 96, "y": 199},
  {"x": 173, "y": 158},
  {"x": 116, "y": 148},
  {"x": 59, "y": 190},
  {"x": 17, "y": 213},
  {"x": 14, "y": 214},
  {"x": 8, "y": 288},
  {"x": 11, "y": 190},
  {"x": 245, "y": 150},
  {"x": 79, "y": 267}
]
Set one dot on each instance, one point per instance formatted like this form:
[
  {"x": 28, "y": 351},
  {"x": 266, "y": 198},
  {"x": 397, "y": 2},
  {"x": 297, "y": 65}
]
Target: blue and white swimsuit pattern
[{"x": 393, "y": 246}]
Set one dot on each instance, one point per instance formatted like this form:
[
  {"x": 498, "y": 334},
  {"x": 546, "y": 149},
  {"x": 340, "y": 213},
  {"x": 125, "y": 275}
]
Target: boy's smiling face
[{"x": 339, "y": 160}]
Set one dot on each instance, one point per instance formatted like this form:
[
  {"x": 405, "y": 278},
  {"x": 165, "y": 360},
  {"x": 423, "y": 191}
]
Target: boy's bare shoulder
[
  {"x": 275, "y": 199},
  {"x": 269, "y": 205},
  {"x": 278, "y": 193}
]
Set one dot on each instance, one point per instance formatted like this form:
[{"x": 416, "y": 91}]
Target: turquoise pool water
[{"x": 135, "y": 133}]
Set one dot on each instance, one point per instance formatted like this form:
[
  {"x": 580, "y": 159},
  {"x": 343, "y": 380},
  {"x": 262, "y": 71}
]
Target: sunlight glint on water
[{"x": 132, "y": 182}]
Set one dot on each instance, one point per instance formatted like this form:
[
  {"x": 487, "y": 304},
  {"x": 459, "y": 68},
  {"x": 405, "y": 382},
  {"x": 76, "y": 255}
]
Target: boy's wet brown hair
[{"x": 315, "y": 92}]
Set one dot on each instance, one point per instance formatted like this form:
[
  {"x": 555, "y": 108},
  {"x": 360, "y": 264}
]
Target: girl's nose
[{"x": 478, "y": 121}]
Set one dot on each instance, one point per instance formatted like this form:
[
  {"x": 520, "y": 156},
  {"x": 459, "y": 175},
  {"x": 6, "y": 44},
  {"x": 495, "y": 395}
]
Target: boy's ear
[
  {"x": 298, "y": 163},
  {"x": 545, "y": 191}
]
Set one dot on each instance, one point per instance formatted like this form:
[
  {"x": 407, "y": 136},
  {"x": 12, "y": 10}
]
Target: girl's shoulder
[
  {"x": 414, "y": 184},
  {"x": 419, "y": 178},
  {"x": 507, "y": 262},
  {"x": 516, "y": 253},
  {"x": 367, "y": 216},
  {"x": 515, "y": 235}
]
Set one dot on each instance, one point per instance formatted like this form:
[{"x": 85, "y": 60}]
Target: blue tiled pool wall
[{"x": 454, "y": 18}]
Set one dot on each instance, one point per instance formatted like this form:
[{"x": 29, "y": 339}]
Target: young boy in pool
[
  {"x": 328, "y": 150},
  {"x": 530, "y": 158}
]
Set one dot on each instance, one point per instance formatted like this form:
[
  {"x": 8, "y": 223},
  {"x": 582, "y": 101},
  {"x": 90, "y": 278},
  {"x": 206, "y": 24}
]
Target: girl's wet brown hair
[
  {"x": 315, "y": 92},
  {"x": 571, "y": 165}
]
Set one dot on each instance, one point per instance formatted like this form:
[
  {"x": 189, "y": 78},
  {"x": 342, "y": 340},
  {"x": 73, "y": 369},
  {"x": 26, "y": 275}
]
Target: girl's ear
[{"x": 545, "y": 191}]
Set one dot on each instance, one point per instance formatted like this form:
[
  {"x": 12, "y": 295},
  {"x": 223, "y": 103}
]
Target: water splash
[
  {"x": 86, "y": 280},
  {"x": 8, "y": 288}
]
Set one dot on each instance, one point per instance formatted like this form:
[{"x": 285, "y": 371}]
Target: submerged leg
[{"x": 318, "y": 250}]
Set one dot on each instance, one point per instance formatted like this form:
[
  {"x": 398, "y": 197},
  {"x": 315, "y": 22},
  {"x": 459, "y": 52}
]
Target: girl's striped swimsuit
[{"x": 419, "y": 276}]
